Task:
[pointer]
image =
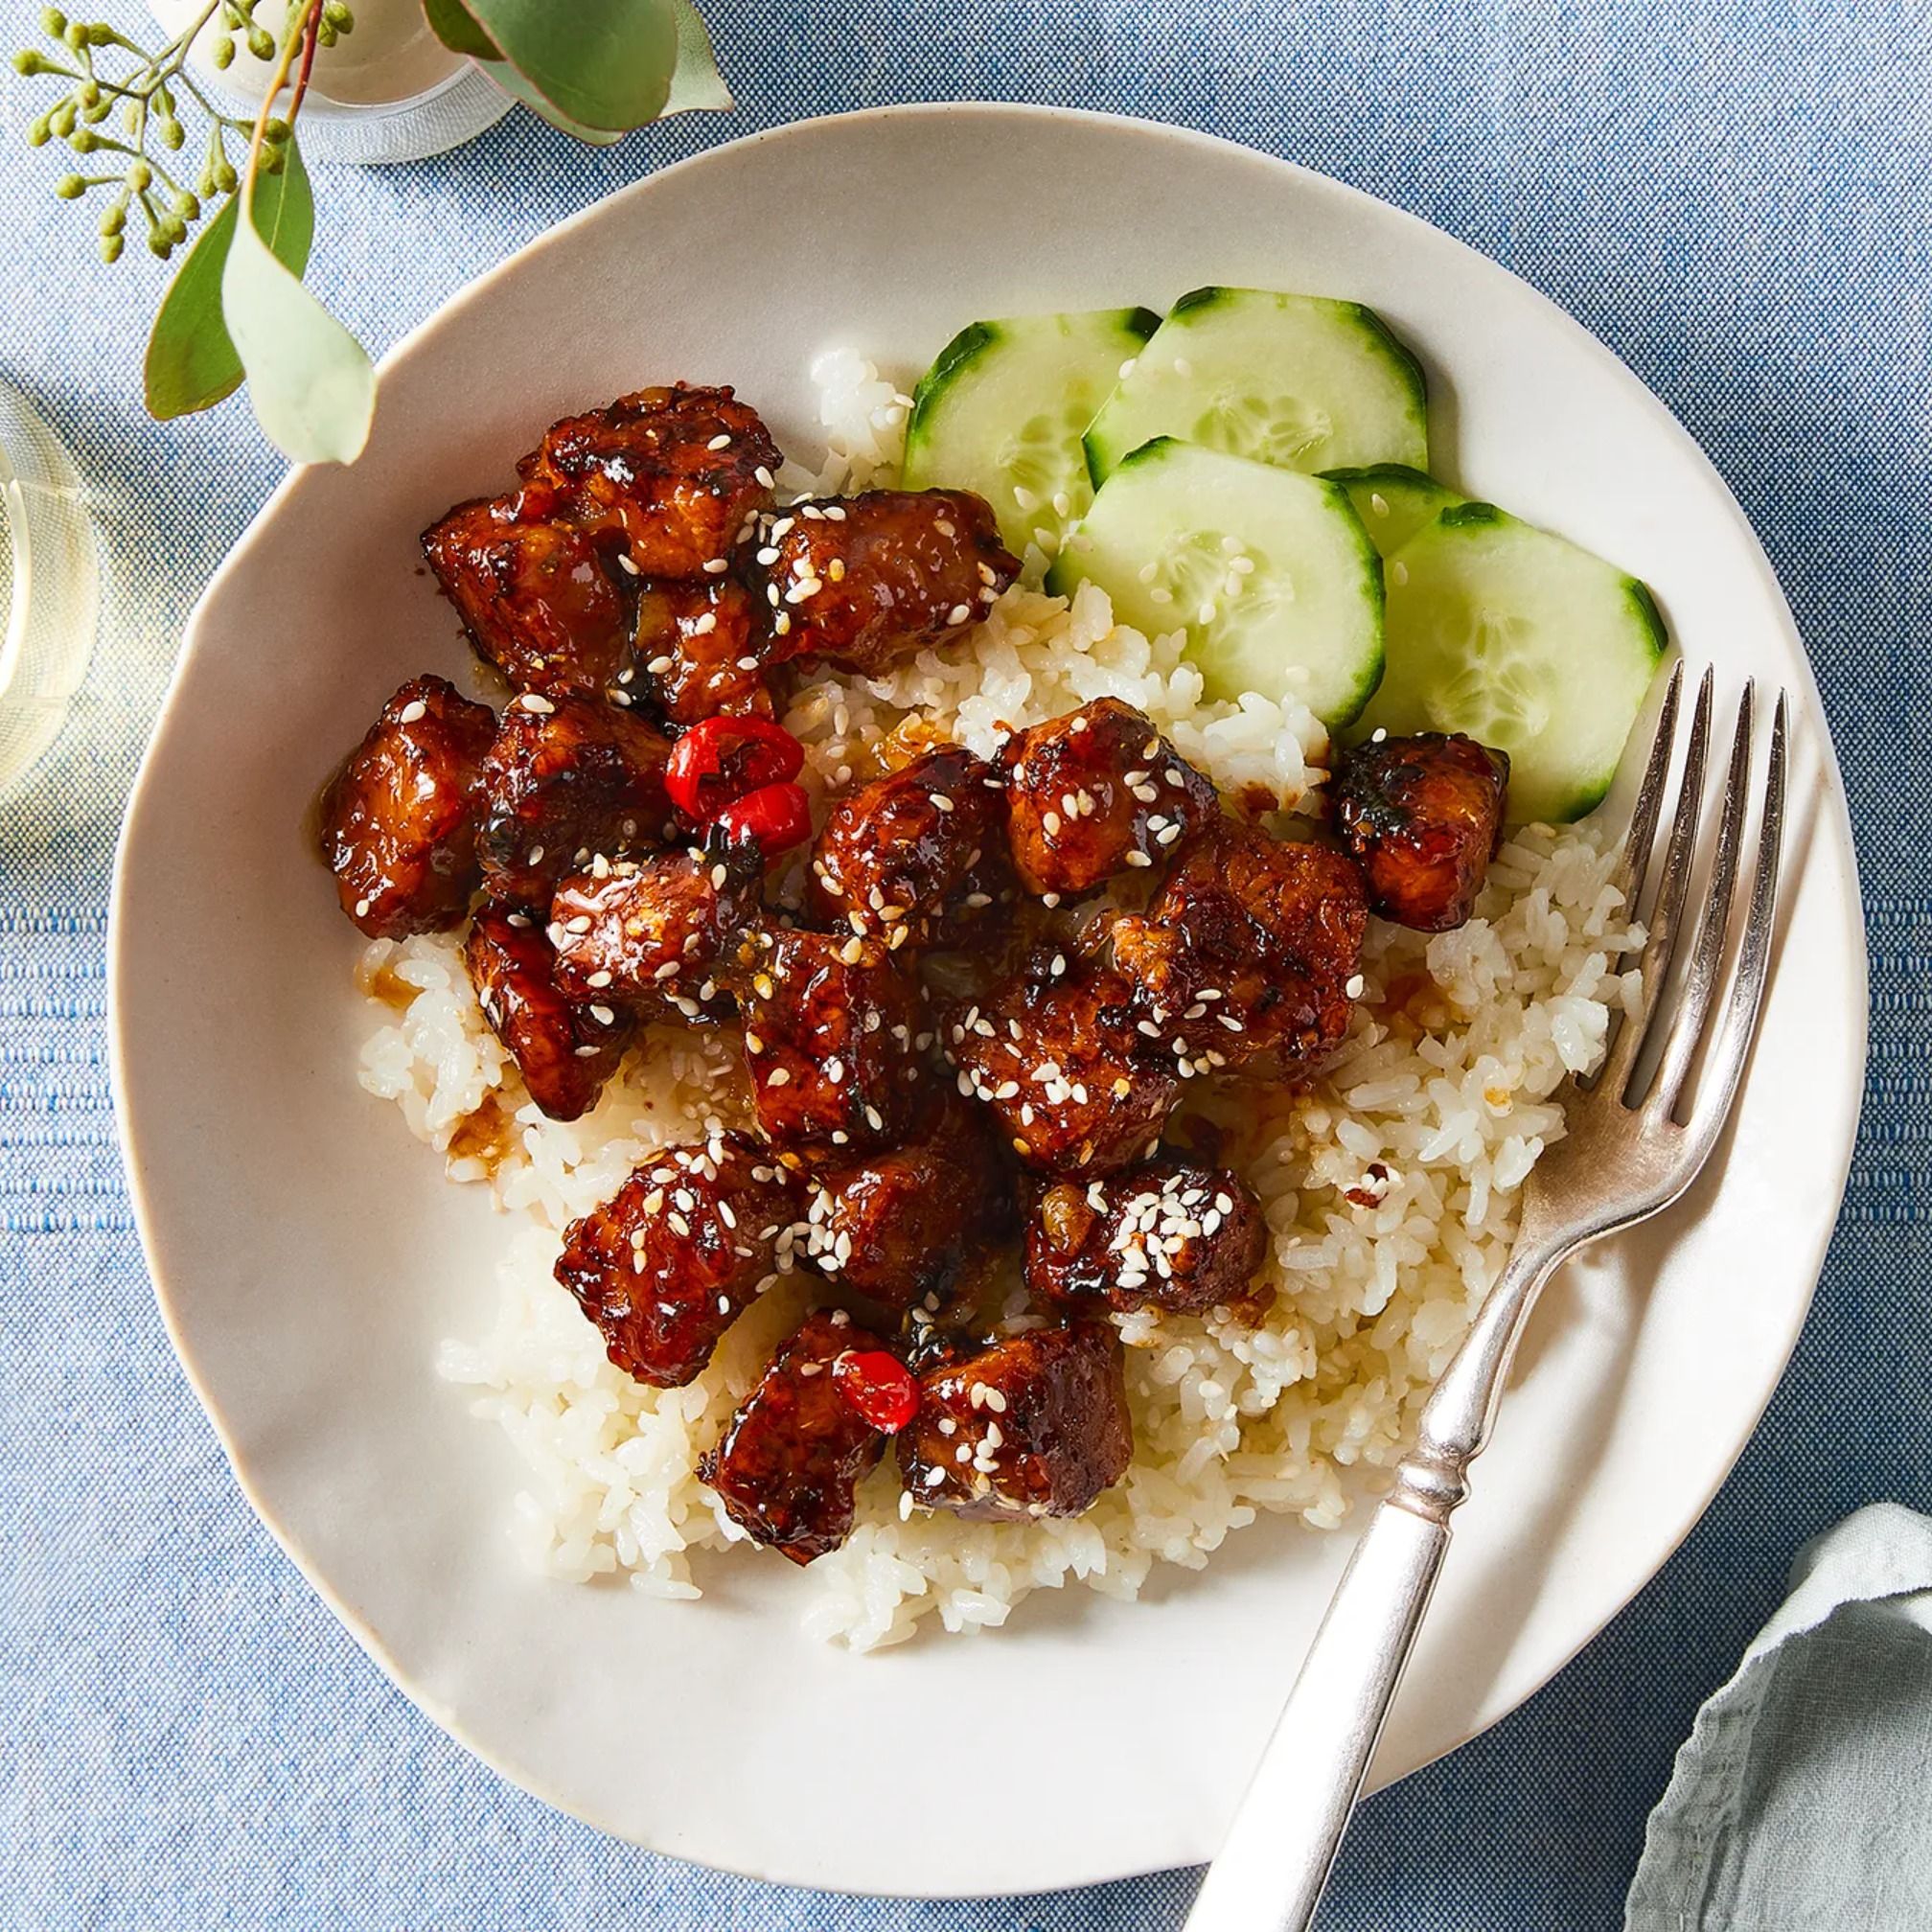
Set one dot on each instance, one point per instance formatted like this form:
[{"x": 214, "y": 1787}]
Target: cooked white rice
[{"x": 1390, "y": 1184}]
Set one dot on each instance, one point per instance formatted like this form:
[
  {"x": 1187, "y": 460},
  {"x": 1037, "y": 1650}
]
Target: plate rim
[{"x": 146, "y": 1214}]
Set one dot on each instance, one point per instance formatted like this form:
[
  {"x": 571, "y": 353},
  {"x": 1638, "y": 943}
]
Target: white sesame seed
[
  {"x": 716, "y": 566},
  {"x": 777, "y": 1077},
  {"x": 603, "y": 1016},
  {"x": 534, "y": 701},
  {"x": 960, "y": 613},
  {"x": 719, "y": 443}
]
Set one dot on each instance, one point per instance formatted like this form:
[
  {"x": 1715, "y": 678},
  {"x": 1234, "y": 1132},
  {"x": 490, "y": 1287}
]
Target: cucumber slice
[
  {"x": 1270, "y": 573},
  {"x": 1525, "y": 642},
  {"x": 1296, "y": 380},
  {"x": 1395, "y": 501},
  {"x": 1001, "y": 410}
]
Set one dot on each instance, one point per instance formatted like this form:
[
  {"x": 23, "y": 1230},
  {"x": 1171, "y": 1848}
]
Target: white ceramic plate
[{"x": 308, "y": 1255}]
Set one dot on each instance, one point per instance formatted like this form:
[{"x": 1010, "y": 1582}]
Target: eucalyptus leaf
[
  {"x": 600, "y": 63},
  {"x": 310, "y": 380},
  {"x": 191, "y": 363},
  {"x": 513, "y": 83},
  {"x": 452, "y": 24},
  {"x": 696, "y": 85}
]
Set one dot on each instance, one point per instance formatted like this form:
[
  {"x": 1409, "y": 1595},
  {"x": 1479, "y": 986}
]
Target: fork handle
[
  {"x": 1276, "y": 1861},
  {"x": 1271, "y": 1871}
]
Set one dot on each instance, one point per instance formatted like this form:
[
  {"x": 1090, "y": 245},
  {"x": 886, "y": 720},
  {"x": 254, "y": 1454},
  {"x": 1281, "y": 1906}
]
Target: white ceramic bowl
[{"x": 308, "y": 1255}]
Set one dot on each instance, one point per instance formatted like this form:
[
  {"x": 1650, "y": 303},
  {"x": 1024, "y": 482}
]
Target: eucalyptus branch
[{"x": 237, "y": 307}]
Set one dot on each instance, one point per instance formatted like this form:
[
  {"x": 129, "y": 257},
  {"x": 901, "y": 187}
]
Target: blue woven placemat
[{"x": 1734, "y": 196}]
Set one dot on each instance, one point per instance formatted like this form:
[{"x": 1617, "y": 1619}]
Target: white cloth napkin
[{"x": 1803, "y": 1799}]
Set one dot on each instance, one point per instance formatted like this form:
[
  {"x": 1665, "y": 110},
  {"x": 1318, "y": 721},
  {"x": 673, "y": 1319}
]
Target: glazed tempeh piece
[
  {"x": 568, "y": 781},
  {"x": 1096, "y": 794},
  {"x": 1056, "y": 1056},
  {"x": 916, "y": 850},
  {"x": 1422, "y": 817},
  {"x": 1249, "y": 954},
  {"x": 1034, "y": 1425},
  {"x": 789, "y": 1466},
  {"x": 400, "y": 818},
  {"x": 1170, "y": 1234},
  {"x": 649, "y": 936},
  {"x": 675, "y": 476},
  {"x": 860, "y": 580},
  {"x": 666, "y": 1265},
  {"x": 536, "y": 595},
  {"x": 567, "y": 1052},
  {"x": 832, "y": 1031}
]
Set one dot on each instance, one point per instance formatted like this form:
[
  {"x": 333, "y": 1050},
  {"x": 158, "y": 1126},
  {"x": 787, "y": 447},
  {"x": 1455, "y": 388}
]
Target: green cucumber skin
[
  {"x": 1646, "y": 625},
  {"x": 1065, "y": 576},
  {"x": 971, "y": 342},
  {"x": 1189, "y": 306},
  {"x": 961, "y": 353},
  {"x": 1396, "y": 481}
]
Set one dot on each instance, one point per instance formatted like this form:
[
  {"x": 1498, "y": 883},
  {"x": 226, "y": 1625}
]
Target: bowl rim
[{"x": 1835, "y": 821}]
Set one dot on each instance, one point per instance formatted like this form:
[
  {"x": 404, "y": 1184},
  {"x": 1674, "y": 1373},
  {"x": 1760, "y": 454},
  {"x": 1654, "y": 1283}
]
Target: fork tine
[
  {"x": 1745, "y": 994},
  {"x": 1636, "y": 862},
  {"x": 1660, "y": 946},
  {"x": 1707, "y": 953}
]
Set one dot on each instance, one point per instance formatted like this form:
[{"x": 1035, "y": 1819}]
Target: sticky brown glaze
[
  {"x": 788, "y": 1468},
  {"x": 694, "y": 654},
  {"x": 1422, "y": 817},
  {"x": 677, "y": 474},
  {"x": 565, "y": 1051},
  {"x": 399, "y": 821},
  {"x": 568, "y": 779},
  {"x": 860, "y": 580},
  {"x": 907, "y": 1223},
  {"x": 1247, "y": 954},
  {"x": 665, "y": 1266},
  {"x": 1056, "y": 1055},
  {"x": 1042, "y": 1416},
  {"x": 831, "y": 1033},
  {"x": 914, "y": 849},
  {"x": 535, "y": 595},
  {"x": 649, "y": 936},
  {"x": 1169, "y": 1234},
  {"x": 1097, "y": 792}
]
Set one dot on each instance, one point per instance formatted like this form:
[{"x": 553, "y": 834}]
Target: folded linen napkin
[{"x": 1803, "y": 1799}]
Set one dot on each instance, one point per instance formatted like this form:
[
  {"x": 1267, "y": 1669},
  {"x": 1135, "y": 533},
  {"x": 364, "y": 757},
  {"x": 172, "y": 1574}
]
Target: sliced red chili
[
  {"x": 721, "y": 759},
  {"x": 774, "y": 817},
  {"x": 877, "y": 1387}
]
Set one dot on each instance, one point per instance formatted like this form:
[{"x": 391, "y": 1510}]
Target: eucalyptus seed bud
[
  {"x": 159, "y": 244},
  {"x": 38, "y": 133},
  {"x": 222, "y": 53},
  {"x": 55, "y": 22},
  {"x": 84, "y": 141},
  {"x": 70, "y": 187},
  {"x": 27, "y": 61},
  {"x": 277, "y": 131},
  {"x": 110, "y": 247},
  {"x": 272, "y": 160},
  {"x": 61, "y": 120},
  {"x": 175, "y": 229},
  {"x": 172, "y": 134},
  {"x": 98, "y": 113},
  {"x": 188, "y": 206},
  {"x": 100, "y": 35},
  {"x": 325, "y": 33},
  {"x": 140, "y": 177},
  {"x": 260, "y": 43},
  {"x": 115, "y": 219},
  {"x": 76, "y": 35},
  {"x": 89, "y": 93},
  {"x": 225, "y": 177}
]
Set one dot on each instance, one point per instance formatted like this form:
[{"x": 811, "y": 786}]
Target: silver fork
[{"x": 1636, "y": 1135}]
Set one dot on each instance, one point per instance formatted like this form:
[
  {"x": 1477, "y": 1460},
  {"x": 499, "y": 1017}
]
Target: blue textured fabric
[{"x": 1733, "y": 195}]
